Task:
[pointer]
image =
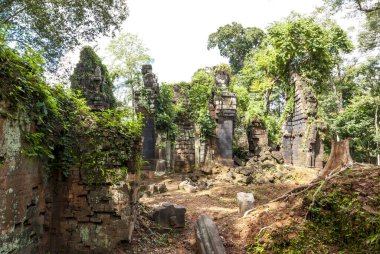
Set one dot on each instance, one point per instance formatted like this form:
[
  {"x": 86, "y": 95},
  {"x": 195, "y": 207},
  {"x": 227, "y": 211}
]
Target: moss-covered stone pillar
[
  {"x": 225, "y": 112},
  {"x": 146, "y": 104}
]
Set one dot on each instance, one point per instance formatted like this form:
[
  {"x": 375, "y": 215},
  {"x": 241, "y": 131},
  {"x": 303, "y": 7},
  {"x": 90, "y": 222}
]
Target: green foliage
[
  {"x": 206, "y": 124},
  {"x": 234, "y": 42},
  {"x": 84, "y": 71},
  {"x": 350, "y": 110},
  {"x": 357, "y": 122},
  {"x": 53, "y": 27},
  {"x": 369, "y": 37},
  {"x": 187, "y": 102},
  {"x": 250, "y": 107},
  {"x": 127, "y": 54},
  {"x": 166, "y": 111},
  {"x": 301, "y": 45},
  {"x": 199, "y": 92},
  {"x": 64, "y": 131},
  {"x": 108, "y": 144},
  {"x": 338, "y": 222}
]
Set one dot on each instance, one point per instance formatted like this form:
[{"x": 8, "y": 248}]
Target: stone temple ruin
[
  {"x": 62, "y": 214},
  {"x": 92, "y": 87},
  {"x": 225, "y": 112},
  {"x": 187, "y": 150},
  {"x": 257, "y": 137},
  {"x": 145, "y": 104},
  {"x": 302, "y": 145}
]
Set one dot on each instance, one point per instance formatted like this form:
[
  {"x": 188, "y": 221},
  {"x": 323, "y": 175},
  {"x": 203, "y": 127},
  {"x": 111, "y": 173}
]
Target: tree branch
[{"x": 364, "y": 9}]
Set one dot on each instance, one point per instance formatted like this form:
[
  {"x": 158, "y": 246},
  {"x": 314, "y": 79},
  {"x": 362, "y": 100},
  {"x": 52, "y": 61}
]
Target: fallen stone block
[
  {"x": 207, "y": 237},
  {"x": 246, "y": 201},
  {"x": 162, "y": 188},
  {"x": 157, "y": 188},
  {"x": 169, "y": 215},
  {"x": 239, "y": 161},
  {"x": 182, "y": 184},
  {"x": 277, "y": 155},
  {"x": 190, "y": 188}
]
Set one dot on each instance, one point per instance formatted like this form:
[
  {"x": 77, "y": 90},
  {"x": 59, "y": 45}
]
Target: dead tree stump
[{"x": 340, "y": 157}]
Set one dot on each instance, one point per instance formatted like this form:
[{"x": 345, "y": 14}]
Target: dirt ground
[{"x": 218, "y": 202}]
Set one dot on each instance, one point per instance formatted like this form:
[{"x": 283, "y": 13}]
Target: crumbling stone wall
[
  {"x": 22, "y": 192},
  {"x": 42, "y": 213},
  {"x": 257, "y": 137},
  {"x": 184, "y": 150},
  {"x": 301, "y": 143},
  {"x": 87, "y": 219}
]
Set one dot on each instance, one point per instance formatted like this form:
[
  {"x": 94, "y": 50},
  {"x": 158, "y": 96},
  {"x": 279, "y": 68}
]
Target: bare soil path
[{"x": 218, "y": 202}]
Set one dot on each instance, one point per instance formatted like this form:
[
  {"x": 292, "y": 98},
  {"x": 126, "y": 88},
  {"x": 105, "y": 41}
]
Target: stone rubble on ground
[
  {"x": 156, "y": 188},
  {"x": 169, "y": 215},
  {"x": 191, "y": 186}
]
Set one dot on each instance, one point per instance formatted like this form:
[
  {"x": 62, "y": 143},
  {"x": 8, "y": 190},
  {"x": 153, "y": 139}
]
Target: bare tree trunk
[
  {"x": 339, "y": 100},
  {"x": 340, "y": 157},
  {"x": 377, "y": 133},
  {"x": 267, "y": 101}
]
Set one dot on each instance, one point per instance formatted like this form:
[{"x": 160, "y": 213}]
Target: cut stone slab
[
  {"x": 208, "y": 240},
  {"x": 170, "y": 215},
  {"x": 246, "y": 201}
]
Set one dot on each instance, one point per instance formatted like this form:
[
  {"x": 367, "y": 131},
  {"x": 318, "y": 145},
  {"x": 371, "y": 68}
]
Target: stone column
[
  {"x": 301, "y": 143},
  {"x": 145, "y": 104},
  {"x": 225, "y": 112}
]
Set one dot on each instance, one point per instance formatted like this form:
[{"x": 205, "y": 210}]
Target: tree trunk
[
  {"x": 377, "y": 133},
  {"x": 267, "y": 101},
  {"x": 339, "y": 100},
  {"x": 340, "y": 157}
]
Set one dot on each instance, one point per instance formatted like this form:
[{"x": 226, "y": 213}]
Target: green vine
[{"x": 64, "y": 132}]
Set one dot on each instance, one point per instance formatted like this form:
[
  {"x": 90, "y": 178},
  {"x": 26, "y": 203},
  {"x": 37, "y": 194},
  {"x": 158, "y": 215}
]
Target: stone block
[
  {"x": 246, "y": 201},
  {"x": 207, "y": 237},
  {"x": 170, "y": 215}
]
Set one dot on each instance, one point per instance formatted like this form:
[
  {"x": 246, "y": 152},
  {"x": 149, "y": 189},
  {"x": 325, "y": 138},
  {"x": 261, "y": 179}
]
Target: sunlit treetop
[{"x": 55, "y": 26}]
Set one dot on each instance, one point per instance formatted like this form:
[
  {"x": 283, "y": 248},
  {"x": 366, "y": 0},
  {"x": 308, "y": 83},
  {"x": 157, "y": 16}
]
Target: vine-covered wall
[{"x": 65, "y": 170}]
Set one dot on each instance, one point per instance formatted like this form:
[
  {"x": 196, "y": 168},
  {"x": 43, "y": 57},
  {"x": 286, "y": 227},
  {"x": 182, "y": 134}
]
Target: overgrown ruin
[
  {"x": 53, "y": 211},
  {"x": 302, "y": 144}
]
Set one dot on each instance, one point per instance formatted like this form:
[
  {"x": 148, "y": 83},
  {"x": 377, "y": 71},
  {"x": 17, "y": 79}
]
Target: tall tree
[
  {"x": 127, "y": 54},
  {"x": 302, "y": 46},
  {"x": 234, "y": 42},
  {"x": 54, "y": 26},
  {"x": 369, "y": 38},
  {"x": 296, "y": 47}
]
